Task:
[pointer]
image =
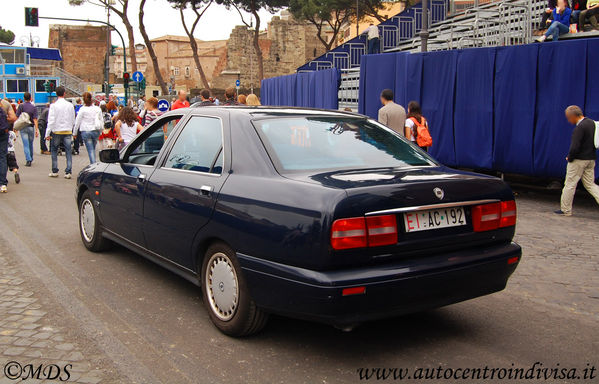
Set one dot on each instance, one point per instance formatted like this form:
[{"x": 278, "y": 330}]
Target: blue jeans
[
  {"x": 54, "y": 144},
  {"x": 3, "y": 154},
  {"x": 556, "y": 29},
  {"x": 28, "y": 135},
  {"x": 374, "y": 46},
  {"x": 90, "y": 139}
]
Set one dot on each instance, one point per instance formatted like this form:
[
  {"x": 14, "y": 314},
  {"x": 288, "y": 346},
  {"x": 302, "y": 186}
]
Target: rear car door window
[{"x": 199, "y": 146}]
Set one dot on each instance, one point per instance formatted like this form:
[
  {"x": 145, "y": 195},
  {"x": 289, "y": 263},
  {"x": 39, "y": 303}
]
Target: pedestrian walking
[
  {"x": 141, "y": 103},
  {"x": 11, "y": 159},
  {"x": 206, "y": 99},
  {"x": 42, "y": 123},
  {"x": 230, "y": 96},
  {"x": 252, "y": 99},
  {"x": 581, "y": 159},
  {"x": 77, "y": 139},
  {"x": 88, "y": 124},
  {"x": 108, "y": 135},
  {"x": 7, "y": 117},
  {"x": 152, "y": 112},
  {"x": 128, "y": 126},
  {"x": 181, "y": 101},
  {"x": 417, "y": 130},
  {"x": 374, "y": 41},
  {"x": 61, "y": 120},
  {"x": 392, "y": 115},
  {"x": 30, "y": 132}
]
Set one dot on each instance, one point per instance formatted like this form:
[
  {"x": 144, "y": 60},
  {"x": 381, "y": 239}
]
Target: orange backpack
[{"x": 423, "y": 136}]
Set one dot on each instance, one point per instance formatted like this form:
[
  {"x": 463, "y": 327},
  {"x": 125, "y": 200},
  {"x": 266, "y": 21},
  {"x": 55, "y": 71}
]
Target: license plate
[{"x": 434, "y": 219}]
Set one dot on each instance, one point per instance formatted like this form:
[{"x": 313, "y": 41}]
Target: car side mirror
[{"x": 110, "y": 156}]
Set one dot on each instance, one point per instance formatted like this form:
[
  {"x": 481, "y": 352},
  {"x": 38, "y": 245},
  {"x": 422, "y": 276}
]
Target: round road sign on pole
[
  {"x": 137, "y": 76},
  {"x": 237, "y": 83},
  {"x": 163, "y": 105}
]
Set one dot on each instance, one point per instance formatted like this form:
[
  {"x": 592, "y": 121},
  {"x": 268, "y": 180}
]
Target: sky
[{"x": 160, "y": 19}]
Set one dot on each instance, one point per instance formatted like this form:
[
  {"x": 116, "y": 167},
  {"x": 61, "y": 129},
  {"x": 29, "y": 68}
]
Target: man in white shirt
[
  {"x": 61, "y": 120},
  {"x": 374, "y": 44}
]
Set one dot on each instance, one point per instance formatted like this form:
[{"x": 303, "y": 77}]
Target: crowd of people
[
  {"x": 64, "y": 126},
  {"x": 562, "y": 17}
]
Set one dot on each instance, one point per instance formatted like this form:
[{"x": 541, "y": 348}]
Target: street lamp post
[{"x": 424, "y": 30}]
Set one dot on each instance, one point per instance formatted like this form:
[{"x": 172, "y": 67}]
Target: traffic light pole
[{"x": 109, "y": 25}]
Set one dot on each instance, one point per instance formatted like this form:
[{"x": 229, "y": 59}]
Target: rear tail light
[
  {"x": 353, "y": 291},
  {"x": 508, "y": 214},
  {"x": 382, "y": 230},
  {"x": 488, "y": 217},
  {"x": 349, "y": 233},
  {"x": 360, "y": 232}
]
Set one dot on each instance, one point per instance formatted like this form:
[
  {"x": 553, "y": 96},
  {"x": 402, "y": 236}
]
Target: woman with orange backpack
[{"x": 417, "y": 127}]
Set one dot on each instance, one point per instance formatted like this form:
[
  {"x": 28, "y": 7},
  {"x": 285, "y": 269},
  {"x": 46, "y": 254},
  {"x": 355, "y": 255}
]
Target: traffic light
[
  {"x": 126, "y": 77},
  {"x": 31, "y": 17},
  {"x": 142, "y": 85},
  {"x": 113, "y": 50},
  {"x": 50, "y": 86}
]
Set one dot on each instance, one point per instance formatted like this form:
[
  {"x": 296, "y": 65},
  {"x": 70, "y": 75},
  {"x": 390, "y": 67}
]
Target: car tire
[
  {"x": 226, "y": 295},
  {"x": 90, "y": 227}
]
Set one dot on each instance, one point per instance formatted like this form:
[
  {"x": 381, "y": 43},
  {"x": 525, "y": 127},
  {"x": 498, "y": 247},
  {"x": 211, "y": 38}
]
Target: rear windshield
[{"x": 323, "y": 143}]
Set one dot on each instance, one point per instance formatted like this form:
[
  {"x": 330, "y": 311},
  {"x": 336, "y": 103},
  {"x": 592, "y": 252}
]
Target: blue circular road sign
[
  {"x": 237, "y": 83},
  {"x": 163, "y": 105},
  {"x": 137, "y": 76}
]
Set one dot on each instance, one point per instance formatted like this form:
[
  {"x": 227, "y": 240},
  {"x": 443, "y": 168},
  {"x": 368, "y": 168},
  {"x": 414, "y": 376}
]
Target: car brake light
[
  {"x": 382, "y": 230},
  {"x": 360, "y": 232},
  {"x": 349, "y": 233},
  {"x": 513, "y": 260},
  {"x": 353, "y": 291},
  {"x": 488, "y": 217},
  {"x": 508, "y": 214}
]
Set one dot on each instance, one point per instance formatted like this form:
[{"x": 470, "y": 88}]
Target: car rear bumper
[{"x": 391, "y": 289}]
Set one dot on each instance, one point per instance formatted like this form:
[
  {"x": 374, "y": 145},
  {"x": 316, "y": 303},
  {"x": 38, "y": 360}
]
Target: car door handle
[
  {"x": 206, "y": 190},
  {"x": 141, "y": 178}
]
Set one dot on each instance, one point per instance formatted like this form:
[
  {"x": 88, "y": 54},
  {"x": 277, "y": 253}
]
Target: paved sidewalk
[{"x": 29, "y": 334}]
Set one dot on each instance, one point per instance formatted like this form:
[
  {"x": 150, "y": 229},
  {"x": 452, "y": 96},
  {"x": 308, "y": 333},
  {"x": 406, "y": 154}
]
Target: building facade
[{"x": 25, "y": 69}]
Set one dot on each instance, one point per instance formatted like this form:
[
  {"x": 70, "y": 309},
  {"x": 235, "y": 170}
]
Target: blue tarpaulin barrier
[
  {"x": 438, "y": 88},
  {"x": 473, "y": 113},
  {"x": 515, "y": 101},
  {"x": 308, "y": 89},
  {"x": 591, "y": 108},
  {"x": 561, "y": 82},
  {"x": 373, "y": 82}
]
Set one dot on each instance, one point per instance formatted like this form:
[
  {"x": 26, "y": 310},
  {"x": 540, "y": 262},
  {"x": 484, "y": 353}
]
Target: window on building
[
  {"x": 187, "y": 72},
  {"x": 17, "y": 85},
  {"x": 1, "y": 86},
  {"x": 40, "y": 84},
  {"x": 176, "y": 71},
  {"x": 13, "y": 56}
]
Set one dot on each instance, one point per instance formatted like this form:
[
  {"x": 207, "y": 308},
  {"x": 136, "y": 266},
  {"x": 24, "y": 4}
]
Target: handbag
[
  {"x": 99, "y": 124},
  {"x": 23, "y": 121}
]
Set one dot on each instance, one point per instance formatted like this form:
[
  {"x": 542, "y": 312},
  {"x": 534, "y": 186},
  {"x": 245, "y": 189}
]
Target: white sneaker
[
  {"x": 67, "y": 175},
  {"x": 52, "y": 174},
  {"x": 3, "y": 189}
]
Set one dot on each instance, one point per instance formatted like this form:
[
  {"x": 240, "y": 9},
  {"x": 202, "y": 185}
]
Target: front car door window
[
  {"x": 145, "y": 149},
  {"x": 199, "y": 147}
]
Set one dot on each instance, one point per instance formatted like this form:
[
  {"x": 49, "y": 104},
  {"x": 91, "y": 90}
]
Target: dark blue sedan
[{"x": 319, "y": 215}]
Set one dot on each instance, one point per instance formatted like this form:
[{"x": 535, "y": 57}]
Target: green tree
[
  {"x": 198, "y": 7},
  {"x": 333, "y": 14},
  {"x": 6, "y": 36},
  {"x": 253, "y": 7}
]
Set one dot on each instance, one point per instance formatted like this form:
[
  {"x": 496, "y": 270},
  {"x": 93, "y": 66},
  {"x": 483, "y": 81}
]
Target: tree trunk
[
  {"x": 196, "y": 58},
  {"x": 194, "y": 49},
  {"x": 142, "y": 29},
  {"x": 131, "y": 39},
  {"x": 257, "y": 46}
]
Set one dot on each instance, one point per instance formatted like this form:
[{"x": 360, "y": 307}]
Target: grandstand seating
[{"x": 490, "y": 23}]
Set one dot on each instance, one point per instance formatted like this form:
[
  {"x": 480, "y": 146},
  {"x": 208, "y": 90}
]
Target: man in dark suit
[{"x": 581, "y": 159}]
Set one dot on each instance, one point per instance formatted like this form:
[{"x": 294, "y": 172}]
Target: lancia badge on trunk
[{"x": 439, "y": 193}]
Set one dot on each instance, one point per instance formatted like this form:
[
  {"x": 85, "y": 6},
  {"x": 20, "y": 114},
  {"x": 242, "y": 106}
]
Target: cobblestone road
[{"x": 32, "y": 331}]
